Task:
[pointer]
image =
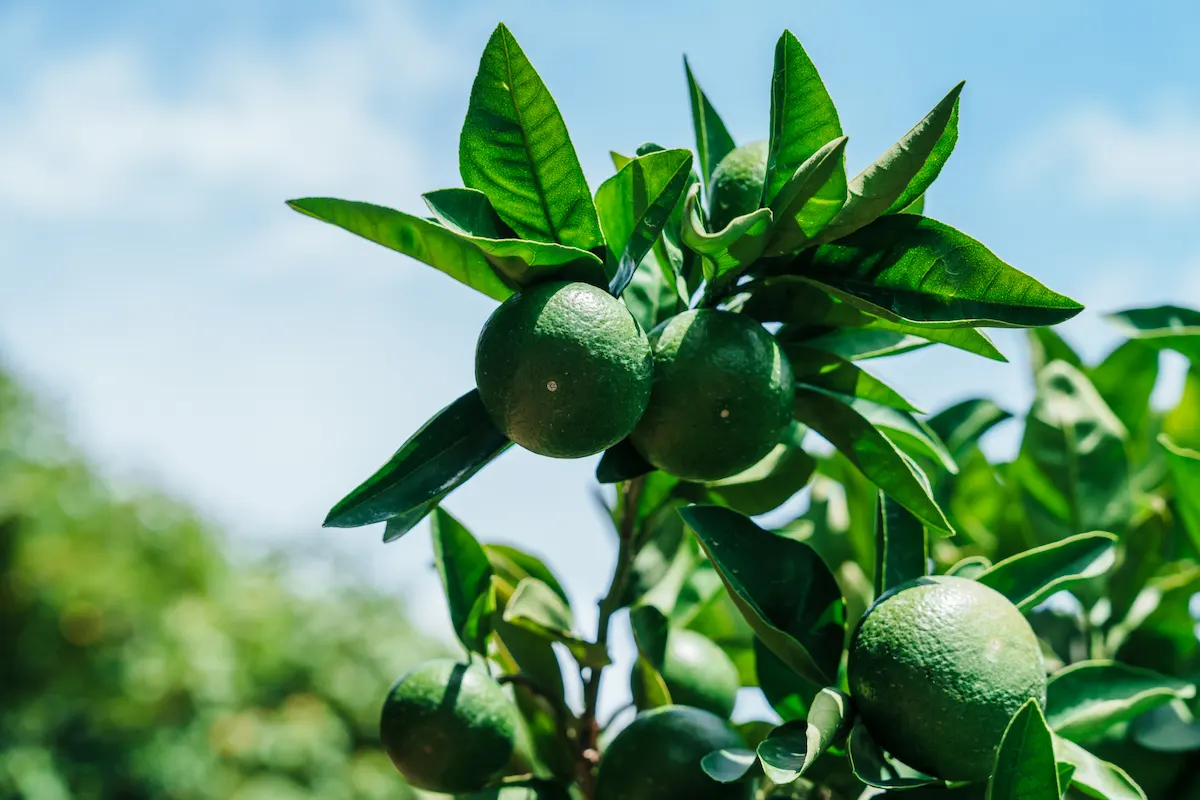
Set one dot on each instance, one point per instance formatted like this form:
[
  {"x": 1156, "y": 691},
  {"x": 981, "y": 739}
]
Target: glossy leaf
[
  {"x": 634, "y": 206},
  {"x": 621, "y": 462},
  {"x": 970, "y": 567},
  {"x": 803, "y": 120},
  {"x": 652, "y": 296},
  {"x": 1163, "y": 328},
  {"x": 537, "y": 608},
  {"x": 1090, "y": 698},
  {"x": 1073, "y": 457},
  {"x": 910, "y": 435},
  {"x": 1094, "y": 777},
  {"x": 923, "y": 270},
  {"x": 781, "y": 587},
  {"x": 1030, "y": 577},
  {"x": 874, "y": 768},
  {"x": 871, "y": 452},
  {"x": 963, "y": 424},
  {"x": 772, "y": 481},
  {"x": 792, "y": 748},
  {"x": 451, "y": 447},
  {"x": 833, "y": 373},
  {"x": 417, "y": 238},
  {"x": 1025, "y": 765},
  {"x": 800, "y": 211},
  {"x": 785, "y": 691},
  {"x": 713, "y": 141},
  {"x": 515, "y": 565},
  {"x": 902, "y": 172},
  {"x": 726, "y": 253},
  {"x": 514, "y": 148},
  {"x": 901, "y": 548},
  {"x": 915, "y": 207},
  {"x": 1185, "y": 472},
  {"x": 466, "y": 578},
  {"x": 730, "y": 765},
  {"x": 468, "y": 212}
]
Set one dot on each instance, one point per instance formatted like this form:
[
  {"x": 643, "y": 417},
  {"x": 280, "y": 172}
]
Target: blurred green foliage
[{"x": 138, "y": 661}]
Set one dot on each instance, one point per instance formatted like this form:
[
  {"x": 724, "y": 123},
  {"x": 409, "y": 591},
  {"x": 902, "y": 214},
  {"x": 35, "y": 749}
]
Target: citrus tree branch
[{"x": 626, "y": 550}]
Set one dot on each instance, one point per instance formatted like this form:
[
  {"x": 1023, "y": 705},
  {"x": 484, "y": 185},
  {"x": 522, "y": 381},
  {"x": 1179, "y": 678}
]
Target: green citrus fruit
[
  {"x": 658, "y": 758},
  {"x": 722, "y": 395},
  {"x": 737, "y": 184},
  {"x": 937, "y": 668},
  {"x": 448, "y": 727},
  {"x": 563, "y": 369},
  {"x": 697, "y": 673}
]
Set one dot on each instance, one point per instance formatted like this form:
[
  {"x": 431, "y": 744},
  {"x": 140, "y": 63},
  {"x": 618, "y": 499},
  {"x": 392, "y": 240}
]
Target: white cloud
[
  {"x": 105, "y": 134},
  {"x": 1134, "y": 163}
]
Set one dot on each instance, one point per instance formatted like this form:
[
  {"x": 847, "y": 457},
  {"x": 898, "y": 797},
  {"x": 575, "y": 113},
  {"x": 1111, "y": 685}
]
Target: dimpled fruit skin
[
  {"x": 937, "y": 668},
  {"x": 722, "y": 396},
  {"x": 563, "y": 369},
  {"x": 737, "y": 184},
  {"x": 448, "y": 727},
  {"x": 697, "y": 673},
  {"x": 658, "y": 758}
]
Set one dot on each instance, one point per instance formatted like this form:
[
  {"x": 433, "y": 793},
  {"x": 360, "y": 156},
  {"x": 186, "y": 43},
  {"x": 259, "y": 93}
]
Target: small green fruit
[
  {"x": 938, "y": 666},
  {"x": 737, "y": 184},
  {"x": 697, "y": 673},
  {"x": 658, "y": 758},
  {"x": 448, "y": 727},
  {"x": 563, "y": 369}
]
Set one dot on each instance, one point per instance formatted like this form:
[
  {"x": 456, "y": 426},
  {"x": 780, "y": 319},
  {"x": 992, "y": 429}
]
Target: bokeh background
[{"x": 172, "y": 325}]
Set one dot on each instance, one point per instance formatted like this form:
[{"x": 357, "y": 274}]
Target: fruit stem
[{"x": 589, "y": 731}]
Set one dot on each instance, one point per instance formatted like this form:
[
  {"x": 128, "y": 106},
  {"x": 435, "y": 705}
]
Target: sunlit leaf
[
  {"x": 1025, "y": 764},
  {"x": 1185, "y": 471},
  {"x": 535, "y": 607},
  {"x": 1090, "y": 698},
  {"x": 713, "y": 141},
  {"x": 1094, "y": 777},
  {"x": 901, "y": 548},
  {"x": 800, "y": 211},
  {"x": 1030, "y": 577},
  {"x": 466, "y": 578},
  {"x": 1163, "y": 328}
]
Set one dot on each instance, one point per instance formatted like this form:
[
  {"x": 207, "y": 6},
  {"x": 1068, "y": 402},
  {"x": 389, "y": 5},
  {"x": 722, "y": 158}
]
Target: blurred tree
[{"x": 137, "y": 661}]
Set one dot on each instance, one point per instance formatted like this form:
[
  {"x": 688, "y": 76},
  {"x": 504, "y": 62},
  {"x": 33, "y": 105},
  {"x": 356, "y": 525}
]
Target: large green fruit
[
  {"x": 697, "y": 673},
  {"x": 722, "y": 396},
  {"x": 937, "y": 668},
  {"x": 563, "y": 369},
  {"x": 658, "y": 758},
  {"x": 448, "y": 727},
  {"x": 737, "y": 184}
]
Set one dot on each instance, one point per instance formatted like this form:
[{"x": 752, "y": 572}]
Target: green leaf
[
  {"x": 871, "y": 452},
  {"x": 730, "y": 765},
  {"x": 448, "y": 449},
  {"x": 772, "y": 481},
  {"x": 652, "y": 296},
  {"x": 1045, "y": 345},
  {"x": 650, "y": 631},
  {"x": 1185, "y": 472},
  {"x": 1125, "y": 380},
  {"x": 466, "y": 578},
  {"x": 468, "y": 213},
  {"x": 1025, "y": 766},
  {"x": 962, "y": 425},
  {"x": 525, "y": 790},
  {"x": 901, "y": 548},
  {"x": 858, "y": 344},
  {"x": 792, "y": 748},
  {"x": 796, "y": 300},
  {"x": 634, "y": 206},
  {"x": 782, "y": 588},
  {"x": 1073, "y": 458},
  {"x": 537, "y": 608},
  {"x": 799, "y": 212},
  {"x": 417, "y": 238},
  {"x": 833, "y": 373},
  {"x": 514, "y": 148},
  {"x": 1090, "y": 698},
  {"x": 713, "y": 141},
  {"x": 1163, "y": 328},
  {"x": 803, "y": 120},
  {"x": 725, "y": 254},
  {"x": 1170, "y": 728},
  {"x": 621, "y": 462},
  {"x": 970, "y": 567},
  {"x": 1094, "y": 777},
  {"x": 902, "y": 173},
  {"x": 515, "y": 565},
  {"x": 1030, "y": 577},
  {"x": 911, "y": 436},
  {"x": 785, "y": 691},
  {"x": 912, "y": 200},
  {"x": 875, "y": 769},
  {"x": 922, "y": 270}
]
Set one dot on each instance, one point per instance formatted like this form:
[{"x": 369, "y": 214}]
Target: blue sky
[{"x": 197, "y": 334}]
